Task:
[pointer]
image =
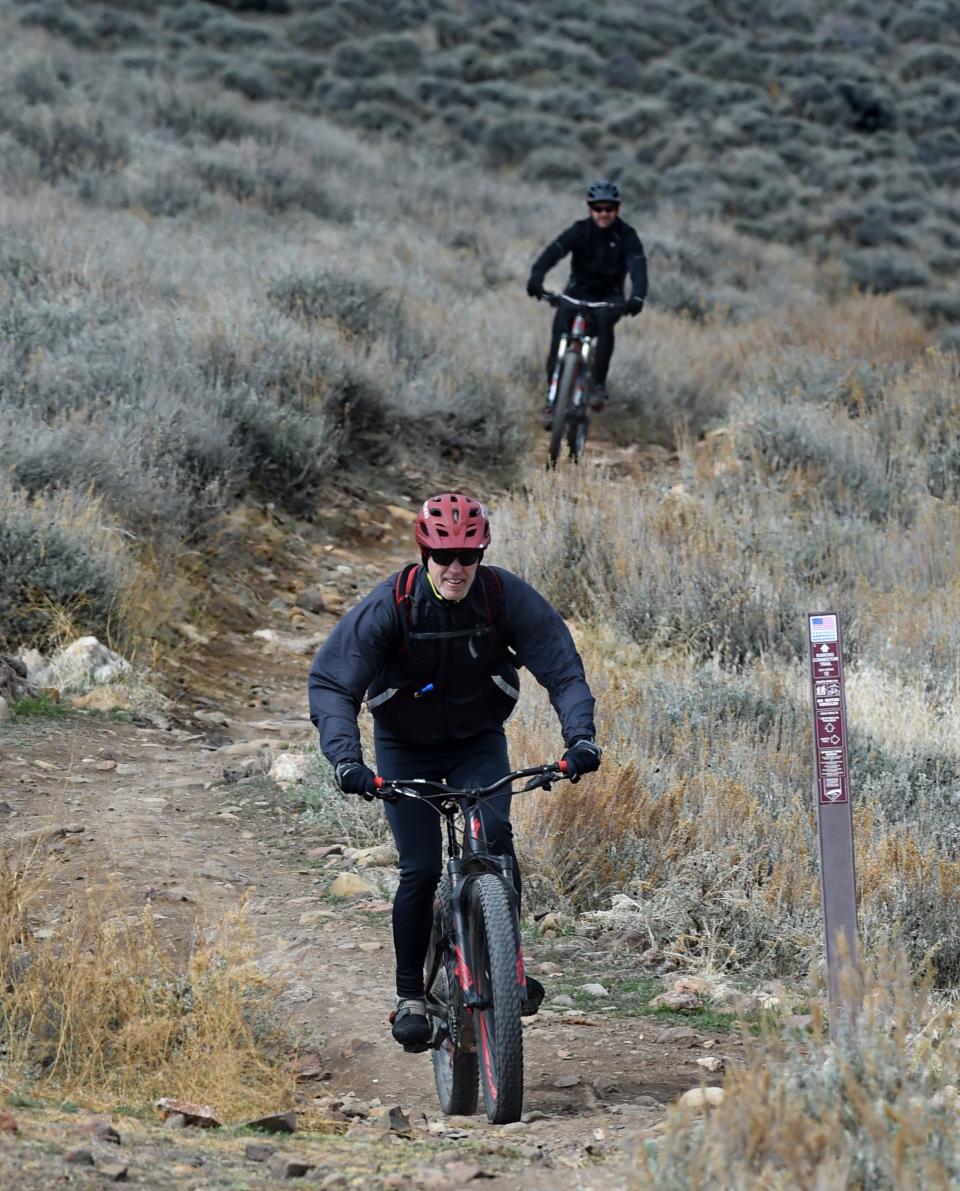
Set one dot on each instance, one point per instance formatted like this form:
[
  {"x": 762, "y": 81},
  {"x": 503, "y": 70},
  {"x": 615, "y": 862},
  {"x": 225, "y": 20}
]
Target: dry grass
[
  {"x": 98, "y": 1010},
  {"x": 871, "y": 1106}
]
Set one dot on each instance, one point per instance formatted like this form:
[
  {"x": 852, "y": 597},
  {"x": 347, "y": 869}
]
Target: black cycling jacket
[
  {"x": 375, "y": 652},
  {"x": 599, "y": 260}
]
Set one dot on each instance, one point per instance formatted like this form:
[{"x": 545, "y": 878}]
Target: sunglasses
[
  {"x": 603, "y": 208},
  {"x": 466, "y": 558}
]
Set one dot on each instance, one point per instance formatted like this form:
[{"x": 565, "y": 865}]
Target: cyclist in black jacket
[
  {"x": 434, "y": 651},
  {"x": 603, "y": 250}
]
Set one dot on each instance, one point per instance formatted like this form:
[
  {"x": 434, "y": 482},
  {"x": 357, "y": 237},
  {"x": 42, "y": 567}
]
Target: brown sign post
[{"x": 834, "y": 812}]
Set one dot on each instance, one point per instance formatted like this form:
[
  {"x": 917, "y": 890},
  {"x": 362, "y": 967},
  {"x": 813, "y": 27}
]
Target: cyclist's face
[
  {"x": 454, "y": 580},
  {"x": 603, "y": 214}
]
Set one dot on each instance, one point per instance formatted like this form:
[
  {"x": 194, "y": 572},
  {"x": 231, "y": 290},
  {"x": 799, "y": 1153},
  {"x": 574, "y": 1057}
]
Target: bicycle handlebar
[
  {"x": 555, "y": 299},
  {"x": 540, "y": 776}
]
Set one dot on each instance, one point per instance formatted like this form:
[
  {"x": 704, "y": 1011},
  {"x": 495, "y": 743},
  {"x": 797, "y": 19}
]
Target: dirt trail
[{"x": 164, "y": 827}]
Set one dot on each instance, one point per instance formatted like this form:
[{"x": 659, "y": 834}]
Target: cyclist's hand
[
  {"x": 353, "y": 777},
  {"x": 583, "y": 756},
  {"x": 633, "y": 306},
  {"x": 534, "y": 288}
]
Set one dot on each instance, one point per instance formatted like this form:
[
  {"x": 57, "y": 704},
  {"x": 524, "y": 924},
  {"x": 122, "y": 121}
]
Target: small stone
[
  {"x": 594, "y": 990},
  {"x": 116, "y": 1172},
  {"x": 462, "y": 1172},
  {"x": 534, "y": 1115},
  {"x": 566, "y": 1081},
  {"x": 563, "y": 999},
  {"x": 79, "y": 1157},
  {"x": 8, "y": 1123},
  {"x": 711, "y": 1063},
  {"x": 699, "y": 1098},
  {"x": 350, "y": 885},
  {"x": 683, "y": 1035},
  {"x": 289, "y": 1168},
  {"x": 392, "y": 1118},
  {"x": 311, "y": 598},
  {"x": 677, "y": 1002},
  {"x": 277, "y": 1122},
  {"x": 308, "y": 1065},
  {"x": 193, "y": 1114},
  {"x": 258, "y": 1151},
  {"x": 103, "y": 1131}
]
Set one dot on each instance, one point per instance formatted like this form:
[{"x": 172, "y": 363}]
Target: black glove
[
  {"x": 534, "y": 287},
  {"x": 583, "y": 756},
  {"x": 353, "y": 777},
  {"x": 633, "y": 306}
]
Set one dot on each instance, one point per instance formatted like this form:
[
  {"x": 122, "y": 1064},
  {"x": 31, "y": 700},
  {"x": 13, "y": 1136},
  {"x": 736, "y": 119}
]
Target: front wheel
[
  {"x": 494, "y": 962},
  {"x": 455, "y": 1062},
  {"x": 568, "y": 378}
]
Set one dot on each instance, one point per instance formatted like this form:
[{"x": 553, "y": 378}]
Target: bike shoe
[
  {"x": 410, "y": 1025},
  {"x": 599, "y": 398},
  {"x": 535, "y": 993}
]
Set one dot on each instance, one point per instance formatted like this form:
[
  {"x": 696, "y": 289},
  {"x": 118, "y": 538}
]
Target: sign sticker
[{"x": 823, "y": 628}]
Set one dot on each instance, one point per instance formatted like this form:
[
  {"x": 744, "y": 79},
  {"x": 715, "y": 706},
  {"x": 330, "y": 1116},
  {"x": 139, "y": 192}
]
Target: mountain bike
[
  {"x": 568, "y": 394},
  {"x": 474, "y": 976}
]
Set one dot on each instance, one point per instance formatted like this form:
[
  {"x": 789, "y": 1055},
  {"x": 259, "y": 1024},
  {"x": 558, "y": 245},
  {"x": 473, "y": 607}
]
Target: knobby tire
[
  {"x": 455, "y": 1069},
  {"x": 561, "y": 404},
  {"x": 493, "y": 960}
]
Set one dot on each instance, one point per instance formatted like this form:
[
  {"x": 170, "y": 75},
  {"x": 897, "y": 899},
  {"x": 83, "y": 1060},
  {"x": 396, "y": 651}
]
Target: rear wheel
[
  {"x": 568, "y": 378},
  {"x": 455, "y": 1062},
  {"x": 494, "y": 962}
]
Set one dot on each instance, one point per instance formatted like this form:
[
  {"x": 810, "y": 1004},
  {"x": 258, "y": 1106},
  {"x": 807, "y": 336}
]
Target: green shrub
[
  {"x": 58, "y": 551},
  {"x": 252, "y": 80},
  {"x": 67, "y": 140},
  {"x": 885, "y": 269},
  {"x": 58, "y": 20},
  {"x": 396, "y": 53}
]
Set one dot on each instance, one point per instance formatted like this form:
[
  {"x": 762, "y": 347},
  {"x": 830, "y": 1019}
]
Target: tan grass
[
  {"x": 98, "y": 1009},
  {"x": 872, "y": 1105}
]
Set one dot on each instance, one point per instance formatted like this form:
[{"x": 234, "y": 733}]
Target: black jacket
[
  {"x": 468, "y": 655},
  {"x": 600, "y": 260}
]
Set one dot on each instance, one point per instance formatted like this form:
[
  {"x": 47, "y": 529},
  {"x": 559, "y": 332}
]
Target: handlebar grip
[
  {"x": 563, "y": 766},
  {"x": 379, "y": 782}
]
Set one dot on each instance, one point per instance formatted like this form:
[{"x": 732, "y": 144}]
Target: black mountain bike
[
  {"x": 568, "y": 394},
  {"x": 474, "y": 976}
]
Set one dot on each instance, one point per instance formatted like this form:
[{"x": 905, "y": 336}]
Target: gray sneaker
[{"x": 411, "y": 1027}]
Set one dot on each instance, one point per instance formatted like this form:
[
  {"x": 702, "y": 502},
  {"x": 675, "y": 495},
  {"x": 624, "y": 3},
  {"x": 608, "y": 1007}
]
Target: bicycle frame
[
  {"x": 582, "y": 337},
  {"x": 469, "y": 860}
]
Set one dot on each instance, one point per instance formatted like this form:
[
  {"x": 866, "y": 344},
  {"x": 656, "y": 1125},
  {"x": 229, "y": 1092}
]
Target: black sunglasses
[
  {"x": 466, "y": 558},
  {"x": 603, "y": 208}
]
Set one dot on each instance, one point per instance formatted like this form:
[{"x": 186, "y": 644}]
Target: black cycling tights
[{"x": 418, "y": 832}]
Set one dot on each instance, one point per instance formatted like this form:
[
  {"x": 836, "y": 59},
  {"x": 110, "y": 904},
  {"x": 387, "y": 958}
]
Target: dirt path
[{"x": 160, "y": 825}]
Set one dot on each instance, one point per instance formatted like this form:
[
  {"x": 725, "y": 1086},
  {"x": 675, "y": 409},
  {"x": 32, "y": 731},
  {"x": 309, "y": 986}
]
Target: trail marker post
[{"x": 834, "y": 811}]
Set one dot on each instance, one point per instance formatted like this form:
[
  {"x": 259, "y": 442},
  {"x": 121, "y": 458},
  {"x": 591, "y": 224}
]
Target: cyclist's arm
[
  {"x": 555, "y": 251},
  {"x": 636, "y": 263},
  {"x": 344, "y": 667},
  {"x": 543, "y": 644}
]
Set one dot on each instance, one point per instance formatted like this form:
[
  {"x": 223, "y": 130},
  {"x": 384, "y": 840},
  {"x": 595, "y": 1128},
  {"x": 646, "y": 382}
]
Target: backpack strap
[
  {"x": 403, "y": 589},
  {"x": 493, "y": 599}
]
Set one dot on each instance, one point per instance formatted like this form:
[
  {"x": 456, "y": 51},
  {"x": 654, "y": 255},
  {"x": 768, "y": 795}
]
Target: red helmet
[{"x": 452, "y": 521}]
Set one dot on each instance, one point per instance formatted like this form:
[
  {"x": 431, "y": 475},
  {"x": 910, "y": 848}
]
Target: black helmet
[{"x": 603, "y": 191}]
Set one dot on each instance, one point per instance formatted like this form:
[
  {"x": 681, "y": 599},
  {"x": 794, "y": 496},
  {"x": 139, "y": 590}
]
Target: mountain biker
[
  {"x": 603, "y": 250},
  {"x": 434, "y": 650}
]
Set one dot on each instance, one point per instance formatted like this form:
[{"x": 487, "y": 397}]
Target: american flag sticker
[{"x": 823, "y": 628}]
